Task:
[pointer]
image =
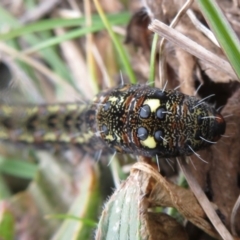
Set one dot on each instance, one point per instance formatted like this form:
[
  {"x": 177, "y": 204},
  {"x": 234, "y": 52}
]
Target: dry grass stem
[
  {"x": 204, "y": 202},
  {"x": 74, "y": 58},
  {"x": 162, "y": 60},
  {"x": 70, "y": 91},
  {"x": 235, "y": 211},
  {"x": 207, "y": 32},
  {"x": 192, "y": 47}
]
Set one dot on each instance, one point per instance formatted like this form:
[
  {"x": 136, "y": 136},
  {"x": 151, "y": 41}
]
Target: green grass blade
[
  {"x": 117, "y": 43},
  {"x": 49, "y": 24},
  {"x": 7, "y": 223},
  {"x": 223, "y": 32},
  {"x": 153, "y": 59},
  {"x": 51, "y": 56},
  {"x": 84, "y": 207},
  {"x": 5, "y": 191},
  {"x": 70, "y": 35},
  {"x": 87, "y": 222},
  {"x": 18, "y": 168}
]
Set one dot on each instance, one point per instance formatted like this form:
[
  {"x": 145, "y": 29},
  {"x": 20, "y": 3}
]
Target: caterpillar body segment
[{"x": 44, "y": 125}]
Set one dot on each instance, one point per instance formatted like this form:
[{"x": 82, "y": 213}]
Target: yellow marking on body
[
  {"x": 4, "y": 135},
  {"x": 7, "y": 110},
  {"x": 113, "y": 99},
  {"x": 31, "y": 110},
  {"x": 154, "y": 104},
  {"x": 72, "y": 107},
  {"x": 64, "y": 138},
  {"x": 88, "y": 136},
  {"x": 49, "y": 137},
  {"x": 198, "y": 111},
  {"x": 109, "y": 137},
  {"x": 149, "y": 142},
  {"x": 84, "y": 138},
  {"x": 26, "y": 138},
  {"x": 80, "y": 140},
  {"x": 53, "y": 108}
]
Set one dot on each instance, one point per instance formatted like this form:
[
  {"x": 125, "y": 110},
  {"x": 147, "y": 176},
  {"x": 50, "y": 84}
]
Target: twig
[
  {"x": 208, "y": 33},
  {"x": 204, "y": 202},
  {"x": 233, "y": 216},
  {"x": 162, "y": 60},
  {"x": 192, "y": 47}
]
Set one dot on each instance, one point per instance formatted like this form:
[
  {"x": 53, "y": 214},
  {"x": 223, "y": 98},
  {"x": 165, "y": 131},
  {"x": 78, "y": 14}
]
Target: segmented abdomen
[
  {"x": 48, "y": 124},
  {"x": 135, "y": 119},
  {"x": 147, "y": 121}
]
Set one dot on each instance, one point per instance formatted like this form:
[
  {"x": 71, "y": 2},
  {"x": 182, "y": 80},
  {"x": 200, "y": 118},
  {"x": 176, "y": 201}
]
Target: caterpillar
[
  {"x": 47, "y": 125},
  {"x": 136, "y": 119},
  {"x": 148, "y": 121}
]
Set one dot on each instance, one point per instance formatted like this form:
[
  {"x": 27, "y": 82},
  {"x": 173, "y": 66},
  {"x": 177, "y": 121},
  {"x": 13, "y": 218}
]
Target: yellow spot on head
[
  {"x": 153, "y": 104},
  {"x": 149, "y": 142}
]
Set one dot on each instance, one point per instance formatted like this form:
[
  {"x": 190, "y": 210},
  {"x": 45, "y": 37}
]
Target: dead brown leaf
[
  {"x": 166, "y": 194},
  {"x": 220, "y": 177}
]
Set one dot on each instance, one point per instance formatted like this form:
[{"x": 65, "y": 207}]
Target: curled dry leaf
[
  {"x": 129, "y": 204},
  {"x": 166, "y": 194},
  {"x": 146, "y": 189}
]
